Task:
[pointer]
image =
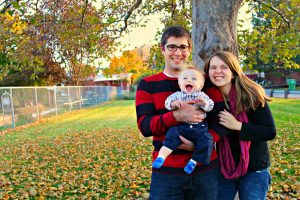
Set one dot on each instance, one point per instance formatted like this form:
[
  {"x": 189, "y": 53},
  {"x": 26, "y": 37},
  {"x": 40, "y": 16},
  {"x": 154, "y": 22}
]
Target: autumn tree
[
  {"x": 25, "y": 59},
  {"x": 129, "y": 62},
  {"x": 79, "y": 31},
  {"x": 53, "y": 72},
  {"x": 175, "y": 13},
  {"x": 211, "y": 30},
  {"x": 213, "y": 27},
  {"x": 273, "y": 43}
]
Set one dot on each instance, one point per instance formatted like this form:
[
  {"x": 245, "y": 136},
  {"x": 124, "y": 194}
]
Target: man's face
[
  {"x": 176, "y": 59},
  {"x": 190, "y": 81}
]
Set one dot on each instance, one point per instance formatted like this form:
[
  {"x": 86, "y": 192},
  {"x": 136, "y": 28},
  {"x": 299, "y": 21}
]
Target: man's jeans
[
  {"x": 200, "y": 186},
  {"x": 252, "y": 186}
]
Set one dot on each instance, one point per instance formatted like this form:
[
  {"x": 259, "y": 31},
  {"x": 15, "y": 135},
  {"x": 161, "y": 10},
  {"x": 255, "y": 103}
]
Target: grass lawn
[
  {"x": 285, "y": 149},
  {"x": 98, "y": 153}
]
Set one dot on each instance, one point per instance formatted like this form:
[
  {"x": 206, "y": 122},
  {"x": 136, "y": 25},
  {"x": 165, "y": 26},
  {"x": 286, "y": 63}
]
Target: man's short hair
[{"x": 177, "y": 32}]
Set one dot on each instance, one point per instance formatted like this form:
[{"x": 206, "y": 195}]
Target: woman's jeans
[
  {"x": 252, "y": 186},
  {"x": 200, "y": 186}
]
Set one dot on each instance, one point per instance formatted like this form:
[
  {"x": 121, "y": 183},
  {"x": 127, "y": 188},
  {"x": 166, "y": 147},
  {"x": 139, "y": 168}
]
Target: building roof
[{"x": 115, "y": 77}]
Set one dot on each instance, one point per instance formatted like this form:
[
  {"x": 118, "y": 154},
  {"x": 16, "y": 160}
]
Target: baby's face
[{"x": 190, "y": 80}]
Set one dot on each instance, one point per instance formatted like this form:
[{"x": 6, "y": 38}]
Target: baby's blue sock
[
  {"x": 189, "y": 168},
  {"x": 158, "y": 162}
]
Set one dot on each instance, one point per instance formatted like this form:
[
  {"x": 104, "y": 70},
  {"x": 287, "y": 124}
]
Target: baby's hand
[
  {"x": 176, "y": 104},
  {"x": 200, "y": 101}
]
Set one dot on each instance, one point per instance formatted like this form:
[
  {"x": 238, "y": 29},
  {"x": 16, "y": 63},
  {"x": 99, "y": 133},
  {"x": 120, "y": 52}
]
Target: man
[{"x": 170, "y": 181}]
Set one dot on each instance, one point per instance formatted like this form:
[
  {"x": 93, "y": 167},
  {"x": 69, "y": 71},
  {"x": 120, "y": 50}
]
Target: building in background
[{"x": 119, "y": 80}]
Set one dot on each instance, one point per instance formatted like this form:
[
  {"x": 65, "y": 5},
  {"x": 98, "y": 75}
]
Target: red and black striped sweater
[{"x": 154, "y": 119}]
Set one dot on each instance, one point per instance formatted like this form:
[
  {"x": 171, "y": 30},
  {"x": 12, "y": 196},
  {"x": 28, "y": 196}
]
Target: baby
[{"x": 191, "y": 81}]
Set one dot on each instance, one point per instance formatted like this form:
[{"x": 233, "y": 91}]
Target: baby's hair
[{"x": 195, "y": 68}]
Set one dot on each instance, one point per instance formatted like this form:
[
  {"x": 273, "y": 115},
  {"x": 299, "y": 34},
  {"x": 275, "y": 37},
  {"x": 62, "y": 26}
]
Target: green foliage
[
  {"x": 24, "y": 59},
  {"x": 129, "y": 96},
  {"x": 79, "y": 32},
  {"x": 156, "y": 60},
  {"x": 274, "y": 41},
  {"x": 72, "y": 33},
  {"x": 175, "y": 13}
]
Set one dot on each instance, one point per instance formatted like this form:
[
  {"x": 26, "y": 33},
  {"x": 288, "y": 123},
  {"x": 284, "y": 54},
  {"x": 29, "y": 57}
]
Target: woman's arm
[{"x": 261, "y": 125}]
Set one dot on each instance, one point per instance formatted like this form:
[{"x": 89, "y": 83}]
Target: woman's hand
[
  {"x": 229, "y": 121},
  {"x": 186, "y": 144}
]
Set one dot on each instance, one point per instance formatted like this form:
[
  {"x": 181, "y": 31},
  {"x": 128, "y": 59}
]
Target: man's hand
[
  {"x": 186, "y": 144},
  {"x": 188, "y": 113}
]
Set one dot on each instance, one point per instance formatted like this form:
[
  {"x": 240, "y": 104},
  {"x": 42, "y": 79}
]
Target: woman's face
[{"x": 219, "y": 73}]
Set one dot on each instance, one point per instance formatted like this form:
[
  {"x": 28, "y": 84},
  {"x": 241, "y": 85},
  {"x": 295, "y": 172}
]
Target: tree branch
[
  {"x": 83, "y": 13},
  {"x": 131, "y": 9},
  {"x": 7, "y": 6},
  {"x": 173, "y": 7},
  {"x": 272, "y": 7},
  {"x": 2, "y": 3}
]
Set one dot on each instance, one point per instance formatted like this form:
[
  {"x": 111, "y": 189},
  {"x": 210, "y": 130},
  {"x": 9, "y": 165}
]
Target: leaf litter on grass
[
  {"x": 103, "y": 164},
  {"x": 285, "y": 151},
  {"x": 115, "y": 163}
]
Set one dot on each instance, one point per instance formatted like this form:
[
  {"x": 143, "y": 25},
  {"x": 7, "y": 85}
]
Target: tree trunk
[{"x": 214, "y": 28}]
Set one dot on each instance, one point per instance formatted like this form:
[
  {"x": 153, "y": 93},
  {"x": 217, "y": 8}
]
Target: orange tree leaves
[{"x": 128, "y": 62}]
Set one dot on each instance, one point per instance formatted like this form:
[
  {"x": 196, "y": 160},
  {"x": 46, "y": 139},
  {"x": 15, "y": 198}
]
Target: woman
[{"x": 243, "y": 153}]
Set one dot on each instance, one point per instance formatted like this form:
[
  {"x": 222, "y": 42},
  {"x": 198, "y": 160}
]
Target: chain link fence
[{"x": 22, "y": 105}]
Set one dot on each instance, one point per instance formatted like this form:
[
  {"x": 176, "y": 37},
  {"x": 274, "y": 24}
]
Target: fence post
[
  {"x": 12, "y": 110},
  {"x": 271, "y": 93},
  {"x": 285, "y": 94},
  {"x": 3, "y": 111},
  {"x": 70, "y": 106},
  {"x": 108, "y": 98},
  {"x": 37, "y": 104},
  {"x": 80, "y": 100},
  {"x": 96, "y": 95},
  {"x": 55, "y": 101}
]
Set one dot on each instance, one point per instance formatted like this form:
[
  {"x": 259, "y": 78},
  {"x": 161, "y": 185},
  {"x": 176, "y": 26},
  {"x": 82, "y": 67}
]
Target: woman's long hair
[{"x": 249, "y": 93}]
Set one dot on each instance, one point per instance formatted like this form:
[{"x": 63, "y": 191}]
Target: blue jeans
[
  {"x": 198, "y": 134},
  {"x": 252, "y": 186},
  {"x": 201, "y": 186}
]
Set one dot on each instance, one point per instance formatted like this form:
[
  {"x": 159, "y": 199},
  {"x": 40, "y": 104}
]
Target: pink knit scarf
[{"x": 228, "y": 167}]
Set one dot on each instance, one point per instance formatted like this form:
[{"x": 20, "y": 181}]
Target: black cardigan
[{"x": 260, "y": 129}]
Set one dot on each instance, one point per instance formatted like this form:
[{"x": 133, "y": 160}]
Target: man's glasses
[{"x": 173, "y": 48}]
